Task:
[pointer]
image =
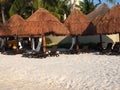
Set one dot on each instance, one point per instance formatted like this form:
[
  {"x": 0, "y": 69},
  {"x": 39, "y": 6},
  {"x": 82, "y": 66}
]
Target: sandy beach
[{"x": 66, "y": 72}]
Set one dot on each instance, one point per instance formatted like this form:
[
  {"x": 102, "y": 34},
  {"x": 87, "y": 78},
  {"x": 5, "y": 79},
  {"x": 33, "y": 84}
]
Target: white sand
[{"x": 66, "y": 72}]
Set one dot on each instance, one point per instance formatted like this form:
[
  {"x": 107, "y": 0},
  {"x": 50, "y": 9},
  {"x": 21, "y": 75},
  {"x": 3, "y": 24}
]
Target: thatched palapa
[
  {"x": 13, "y": 24},
  {"x": 4, "y": 31},
  {"x": 32, "y": 28},
  {"x": 110, "y": 23},
  {"x": 47, "y": 24},
  {"x": 101, "y": 10},
  {"x": 96, "y": 21},
  {"x": 79, "y": 24}
]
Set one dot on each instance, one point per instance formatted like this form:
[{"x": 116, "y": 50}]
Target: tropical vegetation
[{"x": 59, "y": 8}]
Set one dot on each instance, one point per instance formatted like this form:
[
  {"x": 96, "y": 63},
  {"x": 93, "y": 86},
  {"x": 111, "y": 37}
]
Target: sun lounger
[
  {"x": 108, "y": 49},
  {"x": 116, "y": 49},
  {"x": 53, "y": 51}
]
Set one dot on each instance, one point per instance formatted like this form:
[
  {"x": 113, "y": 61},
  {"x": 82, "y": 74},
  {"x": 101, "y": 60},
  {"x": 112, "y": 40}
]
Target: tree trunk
[
  {"x": 72, "y": 5},
  {"x": 3, "y": 15}
]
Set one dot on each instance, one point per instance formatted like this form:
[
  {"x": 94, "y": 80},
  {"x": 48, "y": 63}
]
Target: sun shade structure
[
  {"x": 110, "y": 23},
  {"x": 96, "y": 21},
  {"x": 13, "y": 24},
  {"x": 101, "y": 10},
  {"x": 41, "y": 22},
  {"x": 4, "y": 31},
  {"x": 78, "y": 24},
  {"x": 32, "y": 28}
]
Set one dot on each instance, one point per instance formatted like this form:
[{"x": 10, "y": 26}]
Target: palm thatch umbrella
[
  {"x": 110, "y": 23},
  {"x": 13, "y": 24},
  {"x": 51, "y": 22},
  {"x": 96, "y": 21},
  {"x": 101, "y": 10},
  {"x": 96, "y": 16},
  {"x": 32, "y": 28},
  {"x": 42, "y": 22},
  {"x": 79, "y": 24},
  {"x": 3, "y": 30}
]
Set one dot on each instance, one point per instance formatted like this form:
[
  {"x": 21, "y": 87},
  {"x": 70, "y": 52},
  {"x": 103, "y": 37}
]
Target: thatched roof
[
  {"x": 13, "y": 23},
  {"x": 96, "y": 21},
  {"x": 4, "y": 31},
  {"x": 79, "y": 24},
  {"x": 15, "y": 20},
  {"x": 32, "y": 28},
  {"x": 42, "y": 15},
  {"x": 47, "y": 22},
  {"x": 110, "y": 23},
  {"x": 101, "y": 10}
]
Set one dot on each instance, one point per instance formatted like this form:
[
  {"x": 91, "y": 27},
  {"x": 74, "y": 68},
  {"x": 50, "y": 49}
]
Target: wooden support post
[{"x": 44, "y": 43}]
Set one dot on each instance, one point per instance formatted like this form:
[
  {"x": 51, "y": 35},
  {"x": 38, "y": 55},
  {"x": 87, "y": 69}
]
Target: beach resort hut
[
  {"x": 96, "y": 15},
  {"x": 78, "y": 24},
  {"x": 110, "y": 22},
  {"x": 13, "y": 24},
  {"x": 100, "y": 11},
  {"x": 3, "y": 33},
  {"x": 42, "y": 22},
  {"x": 3, "y": 30}
]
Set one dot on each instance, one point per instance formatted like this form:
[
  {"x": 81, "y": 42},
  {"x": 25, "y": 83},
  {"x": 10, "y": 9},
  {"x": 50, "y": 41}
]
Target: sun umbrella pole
[
  {"x": 2, "y": 42},
  {"x": 39, "y": 44},
  {"x": 33, "y": 43},
  {"x": 44, "y": 43},
  {"x": 76, "y": 43},
  {"x": 100, "y": 38},
  {"x": 73, "y": 42},
  {"x": 119, "y": 37},
  {"x": 17, "y": 42}
]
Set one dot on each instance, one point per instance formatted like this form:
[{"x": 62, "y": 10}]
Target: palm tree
[
  {"x": 87, "y": 6},
  {"x": 111, "y": 1},
  {"x": 21, "y": 7},
  {"x": 57, "y": 7},
  {"x": 2, "y": 4}
]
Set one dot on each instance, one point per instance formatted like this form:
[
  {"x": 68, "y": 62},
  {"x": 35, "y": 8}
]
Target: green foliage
[
  {"x": 87, "y": 6},
  {"x": 5, "y": 5},
  {"x": 48, "y": 40},
  {"x": 21, "y": 7},
  {"x": 111, "y": 1},
  {"x": 57, "y": 7},
  {"x": 36, "y": 4}
]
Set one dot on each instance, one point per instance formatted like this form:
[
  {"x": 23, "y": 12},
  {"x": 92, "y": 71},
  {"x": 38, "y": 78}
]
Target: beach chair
[
  {"x": 108, "y": 49},
  {"x": 99, "y": 47},
  {"x": 37, "y": 53},
  {"x": 53, "y": 51},
  {"x": 116, "y": 49},
  {"x": 85, "y": 49}
]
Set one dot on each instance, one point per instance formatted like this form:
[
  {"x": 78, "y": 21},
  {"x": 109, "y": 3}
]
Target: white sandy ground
[{"x": 66, "y": 72}]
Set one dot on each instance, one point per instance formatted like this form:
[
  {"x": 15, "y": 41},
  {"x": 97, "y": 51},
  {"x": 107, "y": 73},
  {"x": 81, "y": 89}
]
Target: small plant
[{"x": 48, "y": 40}]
